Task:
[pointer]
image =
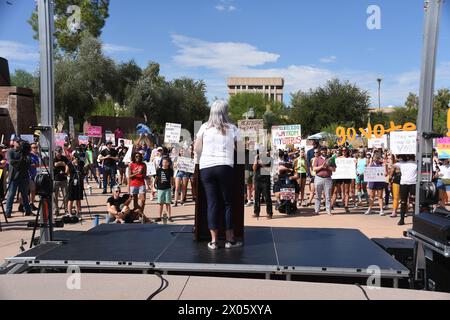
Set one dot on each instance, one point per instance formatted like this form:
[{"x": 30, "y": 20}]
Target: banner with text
[
  {"x": 377, "y": 143},
  {"x": 172, "y": 133},
  {"x": 375, "y": 174},
  {"x": 253, "y": 129},
  {"x": 286, "y": 135},
  {"x": 83, "y": 140},
  {"x": 60, "y": 139},
  {"x": 110, "y": 137},
  {"x": 404, "y": 142},
  {"x": 95, "y": 132},
  {"x": 186, "y": 164},
  {"x": 151, "y": 170},
  {"x": 345, "y": 169},
  {"x": 443, "y": 147}
]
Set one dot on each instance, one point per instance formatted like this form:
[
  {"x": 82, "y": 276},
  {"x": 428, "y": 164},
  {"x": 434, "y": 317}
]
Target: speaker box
[
  {"x": 437, "y": 272},
  {"x": 435, "y": 226},
  {"x": 5, "y": 79}
]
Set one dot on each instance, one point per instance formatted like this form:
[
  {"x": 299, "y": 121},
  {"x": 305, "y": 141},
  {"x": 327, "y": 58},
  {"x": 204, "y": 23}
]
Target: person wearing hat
[
  {"x": 19, "y": 177},
  {"x": 60, "y": 171},
  {"x": 109, "y": 156}
]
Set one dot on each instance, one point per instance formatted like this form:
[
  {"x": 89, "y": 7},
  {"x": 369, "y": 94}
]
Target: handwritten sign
[
  {"x": 186, "y": 164},
  {"x": 83, "y": 140},
  {"x": 345, "y": 169},
  {"x": 375, "y": 174},
  {"x": 404, "y": 142},
  {"x": 443, "y": 146},
  {"x": 151, "y": 170},
  {"x": 378, "y": 143},
  {"x": 286, "y": 135},
  {"x": 95, "y": 132},
  {"x": 60, "y": 139},
  {"x": 378, "y": 130},
  {"x": 172, "y": 133}
]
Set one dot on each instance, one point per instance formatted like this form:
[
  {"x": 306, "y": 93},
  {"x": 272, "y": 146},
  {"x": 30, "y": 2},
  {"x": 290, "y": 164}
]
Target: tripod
[
  {"x": 4, "y": 214},
  {"x": 47, "y": 224}
]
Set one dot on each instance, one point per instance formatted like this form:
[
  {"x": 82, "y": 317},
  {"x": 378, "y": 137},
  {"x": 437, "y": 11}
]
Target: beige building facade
[{"x": 271, "y": 87}]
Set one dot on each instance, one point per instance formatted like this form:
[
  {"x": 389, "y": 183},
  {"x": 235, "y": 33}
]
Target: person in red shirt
[
  {"x": 118, "y": 134},
  {"x": 137, "y": 174}
]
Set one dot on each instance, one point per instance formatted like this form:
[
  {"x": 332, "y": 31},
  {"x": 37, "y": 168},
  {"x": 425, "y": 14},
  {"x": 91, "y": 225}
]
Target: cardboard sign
[
  {"x": 404, "y": 142},
  {"x": 27, "y": 137},
  {"x": 378, "y": 143},
  {"x": 287, "y": 194},
  {"x": 151, "y": 170},
  {"x": 286, "y": 135},
  {"x": 172, "y": 133},
  {"x": 443, "y": 147},
  {"x": 250, "y": 128},
  {"x": 83, "y": 140},
  {"x": 95, "y": 132},
  {"x": 60, "y": 139},
  {"x": 375, "y": 174},
  {"x": 186, "y": 164},
  {"x": 345, "y": 169}
]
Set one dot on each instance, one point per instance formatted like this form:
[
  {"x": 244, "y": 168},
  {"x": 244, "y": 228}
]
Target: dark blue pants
[
  {"x": 24, "y": 188},
  {"x": 218, "y": 185},
  {"x": 111, "y": 172}
]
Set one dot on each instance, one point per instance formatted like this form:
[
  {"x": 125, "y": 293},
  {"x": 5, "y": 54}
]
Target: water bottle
[
  {"x": 90, "y": 190},
  {"x": 165, "y": 218},
  {"x": 96, "y": 220}
]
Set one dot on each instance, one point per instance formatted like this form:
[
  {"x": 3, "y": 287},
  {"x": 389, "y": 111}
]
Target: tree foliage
[
  {"x": 335, "y": 102},
  {"x": 93, "y": 14}
]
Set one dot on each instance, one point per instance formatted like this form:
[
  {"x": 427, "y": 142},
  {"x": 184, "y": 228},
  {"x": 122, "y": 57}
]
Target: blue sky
[{"x": 306, "y": 42}]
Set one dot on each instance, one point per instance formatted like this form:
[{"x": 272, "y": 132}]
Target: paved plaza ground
[{"x": 373, "y": 226}]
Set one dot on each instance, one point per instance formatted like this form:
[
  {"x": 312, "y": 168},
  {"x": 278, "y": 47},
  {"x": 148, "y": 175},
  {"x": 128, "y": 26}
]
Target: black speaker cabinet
[
  {"x": 5, "y": 80},
  {"x": 437, "y": 272},
  {"x": 435, "y": 226}
]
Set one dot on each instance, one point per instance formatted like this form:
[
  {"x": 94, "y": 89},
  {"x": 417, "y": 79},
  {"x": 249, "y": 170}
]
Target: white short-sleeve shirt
[
  {"x": 409, "y": 172},
  {"x": 218, "y": 149}
]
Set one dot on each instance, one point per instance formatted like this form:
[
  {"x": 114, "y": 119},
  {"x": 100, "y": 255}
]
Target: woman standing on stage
[{"x": 215, "y": 145}]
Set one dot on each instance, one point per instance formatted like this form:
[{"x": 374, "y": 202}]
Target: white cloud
[
  {"x": 220, "y": 7},
  {"x": 16, "y": 51},
  {"x": 110, "y": 48},
  {"x": 329, "y": 59},
  {"x": 225, "y": 5},
  {"x": 219, "y": 55}
]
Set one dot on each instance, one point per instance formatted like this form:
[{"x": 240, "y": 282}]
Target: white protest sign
[
  {"x": 286, "y": 135},
  {"x": 186, "y": 164},
  {"x": 345, "y": 169},
  {"x": 404, "y": 142},
  {"x": 377, "y": 143},
  {"x": 375, "y": 174},
  {"x": 129, "y": 145},
  {"x": 151, "y": 170},
  {"x": 172, "y": 133}
]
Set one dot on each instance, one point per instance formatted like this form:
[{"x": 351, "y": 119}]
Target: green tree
[
  {"x": 24, "y": 79},
  {"x": 335, "y": 102},
  {"x": 440, "y": 108},
  {"x": 412, "y": 102},
  {"x": 241, "y": 103},
  {"x": 93, "y": 14},
  {"x": 128, "y": 74}
]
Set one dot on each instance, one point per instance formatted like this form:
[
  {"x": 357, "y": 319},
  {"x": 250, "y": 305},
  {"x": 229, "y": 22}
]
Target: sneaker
[
  {"x": 248, "y": 204},
  {"x": 329, "y": 213},
  {"x": 182, "y": 203},
  {"x": 104, "y": 192},
  {"x": 21, "y": 209},
  {"x": 394, "y": 215},
  {"x": 401, "y": 223},
  {"x": 233, "y": 244},
  {"x": 269, "y": 217},
  {"x": 213, "y": 246},
  {"x": 368, "y": 212},
  {"x": 382, "y": 214},
  {"x": 176, "y": 204},
  {"x": 347, "y": 210}
]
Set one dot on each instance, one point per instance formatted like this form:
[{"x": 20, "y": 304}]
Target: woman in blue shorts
[{"x": 443, "y": 182}]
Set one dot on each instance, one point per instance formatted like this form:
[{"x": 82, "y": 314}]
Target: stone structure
[
  {"x": 271, "y": 87},
  {"x": 17, "y": 110}
]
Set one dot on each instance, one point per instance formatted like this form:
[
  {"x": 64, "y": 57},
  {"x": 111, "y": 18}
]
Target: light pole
[{"x": 379, "y": 93}]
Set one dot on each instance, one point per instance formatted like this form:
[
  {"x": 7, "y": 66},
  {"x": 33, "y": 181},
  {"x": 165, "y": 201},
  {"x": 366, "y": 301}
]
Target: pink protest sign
[
  {"x": 60, "y": 139},
  {"x": 95, "y": 132}
]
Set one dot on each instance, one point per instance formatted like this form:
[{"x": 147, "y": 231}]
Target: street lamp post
[{"x": 379, "y": 93}]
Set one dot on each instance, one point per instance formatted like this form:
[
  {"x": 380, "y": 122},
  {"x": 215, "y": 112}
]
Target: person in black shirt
[
  {"x": 19, "y": 166},
  {"x": 119, "y": 210},
  {"x": 76, "y": 188},
  {"x": 109, "y": 158},
  {"x": 3, "y": 172},
  {"x": 60, "y": 171},
  {"x": 164, "y": 181},
  {"x": 262, "y": 168}
]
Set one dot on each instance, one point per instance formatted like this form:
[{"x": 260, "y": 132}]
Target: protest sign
[
  {"x": 378, "y": 143},
  {"x": 110, "y": 137},
  {"x": 443, "y": 147},
  {"x": 95, "y": 132},
  {"x": 345, "y": 169},
  {"x": 83, "y": 140},
  {"x": 404, "y": 142},
  {"x": 151, "y": 170},
  {"x": 375, "y": 174},
  {"x": 286, "y": 135},
  {"x": 27, "y": 137},
  {"x": 172, "y": 133},
  {"x": 186, "y": 164},
  {"x": 60, "y": 139}
]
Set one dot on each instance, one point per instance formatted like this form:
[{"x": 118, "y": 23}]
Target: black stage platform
[{"x": 171, "y": 249}]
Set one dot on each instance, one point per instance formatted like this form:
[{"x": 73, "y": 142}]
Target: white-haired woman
[{"x": 215, "y": 145}]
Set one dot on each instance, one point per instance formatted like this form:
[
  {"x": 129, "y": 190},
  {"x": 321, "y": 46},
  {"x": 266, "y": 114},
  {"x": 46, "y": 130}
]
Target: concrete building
[{"x": 271, "y": 87}]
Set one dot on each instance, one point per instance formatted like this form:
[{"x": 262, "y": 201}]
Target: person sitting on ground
[{"x": 119, "y": 210}]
